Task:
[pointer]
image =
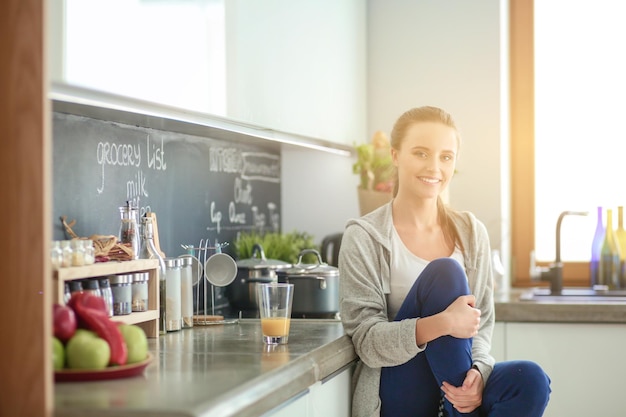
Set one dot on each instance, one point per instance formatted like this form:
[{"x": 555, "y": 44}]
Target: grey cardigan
[{"x": 364, "y": 271}]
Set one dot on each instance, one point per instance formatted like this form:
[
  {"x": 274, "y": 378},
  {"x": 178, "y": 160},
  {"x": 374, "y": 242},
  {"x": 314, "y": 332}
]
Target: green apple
[
  {"x": 136, "y": 342},
  {"x": 58, "y": 354},
  {"x": 85, "y": 350}
]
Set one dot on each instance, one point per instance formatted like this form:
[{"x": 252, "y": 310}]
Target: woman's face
[{"x": 426, "y": 159}]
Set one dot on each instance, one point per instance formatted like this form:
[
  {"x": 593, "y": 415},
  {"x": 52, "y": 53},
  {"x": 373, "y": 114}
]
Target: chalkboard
[{"x": 199, "y": 187}]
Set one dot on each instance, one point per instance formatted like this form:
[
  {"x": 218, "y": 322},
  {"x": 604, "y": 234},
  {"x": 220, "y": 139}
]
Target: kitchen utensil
[
  {"x": 204, "y": 313},
  {"x": 316, "y": 287},
  {"x": 220, "y": 269},
  {"x": 251, "y": 272}
]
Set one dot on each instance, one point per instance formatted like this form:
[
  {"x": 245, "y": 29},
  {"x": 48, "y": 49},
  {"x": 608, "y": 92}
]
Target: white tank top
[{"x": 406, "y": 267}]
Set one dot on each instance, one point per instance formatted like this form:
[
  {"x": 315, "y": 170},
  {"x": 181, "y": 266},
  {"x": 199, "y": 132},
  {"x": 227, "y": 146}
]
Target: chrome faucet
[{"x": 554, "y": 273}]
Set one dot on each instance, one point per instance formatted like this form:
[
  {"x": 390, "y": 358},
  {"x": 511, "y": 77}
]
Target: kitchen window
[
  {"x": 164, "y": 51},
  {"x": 567, "y": 79}
]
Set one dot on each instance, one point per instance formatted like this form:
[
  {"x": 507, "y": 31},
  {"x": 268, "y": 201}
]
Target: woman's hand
[
  {"x": 463, "y": 318},
  {"x": 468, "y": 396}
]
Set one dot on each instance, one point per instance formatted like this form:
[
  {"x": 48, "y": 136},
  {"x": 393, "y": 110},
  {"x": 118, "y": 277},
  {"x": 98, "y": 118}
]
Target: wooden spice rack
[{"x": 148, "y": 320}]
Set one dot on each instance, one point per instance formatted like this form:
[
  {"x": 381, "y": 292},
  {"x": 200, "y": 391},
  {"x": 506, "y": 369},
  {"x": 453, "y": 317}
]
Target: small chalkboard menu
[{"x": 199, "y": 187}]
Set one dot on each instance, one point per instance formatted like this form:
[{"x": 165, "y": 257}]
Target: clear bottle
[
  {"x": 129, "y": 230},
  {"x": 186, "y": 291},
  {"x": 596, "y": 248},
  {"x": 621, "y": 242},
  {"x": 608, "y": 270},
  {"x": 149, "y": 251},
  {"x": 173, "y": 312}
]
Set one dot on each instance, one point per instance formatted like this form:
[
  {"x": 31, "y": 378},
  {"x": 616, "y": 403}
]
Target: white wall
[
  {"x": 319, "y": 193},
  {"x": 318, "y": 188},
  {"x": 447, "y": 54},
  {"x": 298, "y": 66}
]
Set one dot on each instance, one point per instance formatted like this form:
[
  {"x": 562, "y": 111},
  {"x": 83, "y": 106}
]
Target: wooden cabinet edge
[
  {"x": 148, "y": 320},
  {"x": 104, "y": 268}
]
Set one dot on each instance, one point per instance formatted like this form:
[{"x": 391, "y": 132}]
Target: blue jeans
[{"x": 515, "y": 388}]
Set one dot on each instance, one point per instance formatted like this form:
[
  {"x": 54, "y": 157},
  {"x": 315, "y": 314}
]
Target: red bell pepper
[{"x": 94, "y": 314}]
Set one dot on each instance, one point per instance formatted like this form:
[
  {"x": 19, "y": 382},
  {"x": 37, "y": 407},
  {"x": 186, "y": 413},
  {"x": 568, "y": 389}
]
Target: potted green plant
[{"x": 375, "y": 169}]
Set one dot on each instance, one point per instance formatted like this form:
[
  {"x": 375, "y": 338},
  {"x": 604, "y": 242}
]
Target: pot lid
[
  {"x": 259, "y": 261},
  {"x": 318, "y": 269}
]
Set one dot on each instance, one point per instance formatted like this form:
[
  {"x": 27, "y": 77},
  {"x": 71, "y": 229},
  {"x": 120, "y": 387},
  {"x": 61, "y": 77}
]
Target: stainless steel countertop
[
  {"x": 509, "y": 308},
  {"x": 217, "y": 370},
  {"x": 226, "y": 370}
]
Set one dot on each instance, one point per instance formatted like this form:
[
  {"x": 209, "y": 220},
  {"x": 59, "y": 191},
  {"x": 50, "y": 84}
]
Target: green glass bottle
[{"x": 608, "y": 274}]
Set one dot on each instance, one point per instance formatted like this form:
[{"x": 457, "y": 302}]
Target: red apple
[{"x": 64, "y": 322}]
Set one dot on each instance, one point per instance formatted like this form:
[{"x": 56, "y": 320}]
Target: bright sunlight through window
[
  {"x": 166, "y": 51},
  {"x": 580, "y": 138}
]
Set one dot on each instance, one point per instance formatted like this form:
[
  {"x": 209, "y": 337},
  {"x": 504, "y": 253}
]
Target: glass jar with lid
[
  {"x": 129, "y": 228},
  {"x": 66, "y": 249},
  {"x": 186, "y": 291},
  {"x": 173, "y": 316},
  {"x": 121, "y": 288},
  {"x": 91, "y": 285},
  {"x": 140, "y": 291},
  {"x": 106, "y": 294},
  {"x": 90, "y": 252},
  {"x": 78, "y": 253},
  {"x": 56, "y": 254}
]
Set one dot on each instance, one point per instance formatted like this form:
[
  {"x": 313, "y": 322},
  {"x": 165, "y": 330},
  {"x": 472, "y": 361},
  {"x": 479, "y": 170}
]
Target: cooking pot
[
  {"x": 316, "y": 287},
  {"x": 241, "y": 293}
]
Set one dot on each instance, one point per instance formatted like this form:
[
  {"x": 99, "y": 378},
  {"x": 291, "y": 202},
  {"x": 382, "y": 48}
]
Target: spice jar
[
  {"x": 67, "y": 253},
  {"x": 90, "y": 252},
  {"x": 66, "y": 294},
  {"x": 172, "y": 294},
  {"x": 106, "y": 294},
  {"x": 91, "y": 285},
  {"x": 140, "y": 291},
  {"x": 121, "y": 288},
  {"x": 78, "y": 253},
  {"x": 56, "y": 255},
  {"x": 186, "y": 291},
  {"x": 75, "y": 286},
  {"x": 129, "y": 229}
]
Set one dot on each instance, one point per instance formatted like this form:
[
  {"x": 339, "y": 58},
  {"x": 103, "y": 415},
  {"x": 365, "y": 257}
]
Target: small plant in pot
[{"x": 375, "y": 169}]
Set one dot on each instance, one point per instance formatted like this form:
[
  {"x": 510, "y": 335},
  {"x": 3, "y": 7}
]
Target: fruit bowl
[{"x": 111, "y": 372}]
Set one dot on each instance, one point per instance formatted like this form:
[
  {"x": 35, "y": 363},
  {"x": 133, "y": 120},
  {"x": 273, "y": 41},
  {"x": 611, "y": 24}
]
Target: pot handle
[
  {"x": 311, "y": 251},
  {"x": 322, "y": 280},
  {"x": 258, "y": 248}
]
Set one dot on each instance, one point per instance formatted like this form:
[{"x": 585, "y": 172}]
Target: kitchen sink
[{"x": 575, "y": 295}]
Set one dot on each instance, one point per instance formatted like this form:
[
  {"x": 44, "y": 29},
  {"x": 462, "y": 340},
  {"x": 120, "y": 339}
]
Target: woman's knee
[
  {"x": 446, "y": 272},
  {"x": 529, "y": 378}
]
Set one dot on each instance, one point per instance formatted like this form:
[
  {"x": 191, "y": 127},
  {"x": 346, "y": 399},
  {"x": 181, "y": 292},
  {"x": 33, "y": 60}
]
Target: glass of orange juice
[{"x": 274, "y": 300}]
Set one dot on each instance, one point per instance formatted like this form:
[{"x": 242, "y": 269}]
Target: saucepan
[
  {"x": 316, "y": 287},
  {"x": 241, "y": 293}
]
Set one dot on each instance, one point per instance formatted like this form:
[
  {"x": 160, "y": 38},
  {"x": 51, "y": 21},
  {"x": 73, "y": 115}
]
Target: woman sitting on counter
[{"x": 417, "y": 294}]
